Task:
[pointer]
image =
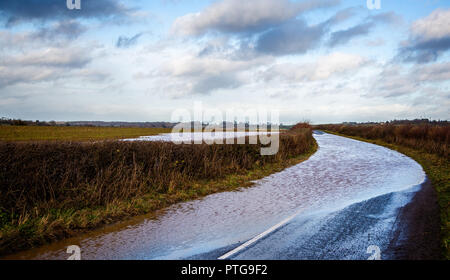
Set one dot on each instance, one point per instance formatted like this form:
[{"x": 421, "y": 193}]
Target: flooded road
[{"x": 321, "y": 196}]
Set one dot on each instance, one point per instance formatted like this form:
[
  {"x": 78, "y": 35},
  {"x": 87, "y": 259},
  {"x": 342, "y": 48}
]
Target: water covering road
[{"x": 343, "y": 199}]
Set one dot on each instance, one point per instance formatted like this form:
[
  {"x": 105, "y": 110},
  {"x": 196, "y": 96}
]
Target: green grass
[
  {"x": 438, "y": 171},
  {"x": 74, "y": 133}
]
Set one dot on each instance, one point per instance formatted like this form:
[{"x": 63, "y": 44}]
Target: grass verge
[{"x": 438, "y": 171}]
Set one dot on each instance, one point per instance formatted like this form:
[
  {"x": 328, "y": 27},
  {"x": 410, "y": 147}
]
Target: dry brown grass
[{"x": 429, "y": 138}]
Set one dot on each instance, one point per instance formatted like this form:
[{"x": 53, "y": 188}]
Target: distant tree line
[
  {"x": 413, "y": 122},
  {"x": 6, "y": 121}
]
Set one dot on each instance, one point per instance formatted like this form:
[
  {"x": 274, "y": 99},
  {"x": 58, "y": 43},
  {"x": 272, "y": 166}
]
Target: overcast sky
[{"x": 323, "y": 61}]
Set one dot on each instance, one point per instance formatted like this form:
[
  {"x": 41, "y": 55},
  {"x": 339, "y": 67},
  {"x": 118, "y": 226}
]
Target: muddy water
[{"x": 342, "y": 172}]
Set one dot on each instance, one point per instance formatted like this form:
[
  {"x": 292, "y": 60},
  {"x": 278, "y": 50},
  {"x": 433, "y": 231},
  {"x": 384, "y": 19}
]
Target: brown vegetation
[{"x": 430, "y": 138}]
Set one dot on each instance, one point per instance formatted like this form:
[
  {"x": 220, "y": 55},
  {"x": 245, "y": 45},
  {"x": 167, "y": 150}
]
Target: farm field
[{"x": 73, "y": 133}]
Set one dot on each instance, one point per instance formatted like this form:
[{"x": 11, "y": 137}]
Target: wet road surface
[{"x": 346, "y": 197}]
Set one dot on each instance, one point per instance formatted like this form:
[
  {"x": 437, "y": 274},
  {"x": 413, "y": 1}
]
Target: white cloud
[
  {"x": 325, "y": 67},
  {"x": 429, "y": 38},
  {"x": 396, "y": 80},
  {"x": 44, "y": 64},
  {"x": 438, "y": 72},
  {"x": 337, "y": 63},
  {"x": 434, "y": 26},
  {"x": 241, "y": 16},
  {"x": 56, "y": 57},
  {"x": 193, "y": 66},
  {"x": 205, "y": 74}
]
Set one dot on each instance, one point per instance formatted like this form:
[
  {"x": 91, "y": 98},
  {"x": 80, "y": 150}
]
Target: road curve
[{"x": 348, "y": 196}]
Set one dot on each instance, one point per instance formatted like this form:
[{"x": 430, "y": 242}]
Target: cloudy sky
[{"x": 323, "y": 60}]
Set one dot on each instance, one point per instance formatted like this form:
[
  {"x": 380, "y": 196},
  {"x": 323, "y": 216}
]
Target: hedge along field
[
  {"x": 428, "y": 144},
  {"x": 52, "y": 190}
]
